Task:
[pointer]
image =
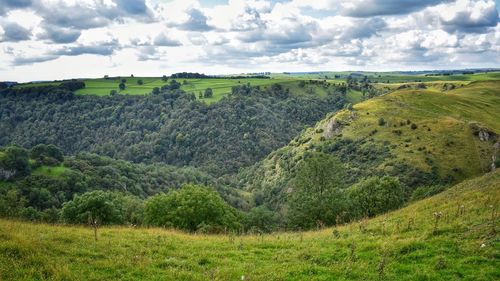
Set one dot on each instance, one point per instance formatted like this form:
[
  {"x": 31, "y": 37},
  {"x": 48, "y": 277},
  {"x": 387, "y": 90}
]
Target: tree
[
  {"x": 164, "y": 78},
  {"x": 376, "y": 195},
  {"x": 174, "y": 85},
  {"x": 122, "y": 86},
  {"x": 95, "y": 208},
  {"x": 192, "y": 208},
  {"x": 316, "y": 197},
  {"x": 112, "y": 93},
  {"x": 261, "y": 219},
  {"x": 47, "y": 154},
  {"x": 14, "y": 163},
  {"x": 123, "y": 80},
  {"x": 156, "y": 91},
  {"x": 140, "y": 82},
  {"x": 208, "y": 93},
  {"x": 73, "y": 85}
]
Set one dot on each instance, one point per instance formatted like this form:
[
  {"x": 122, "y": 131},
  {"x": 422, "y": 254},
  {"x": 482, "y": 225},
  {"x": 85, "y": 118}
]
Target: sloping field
[{"x": 451, "y": 236}]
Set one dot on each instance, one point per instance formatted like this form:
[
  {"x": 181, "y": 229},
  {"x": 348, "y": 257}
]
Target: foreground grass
[{"x": 402, "y": 245}]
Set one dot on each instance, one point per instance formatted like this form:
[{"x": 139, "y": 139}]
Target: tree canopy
[{"x": 192, "y": 208}]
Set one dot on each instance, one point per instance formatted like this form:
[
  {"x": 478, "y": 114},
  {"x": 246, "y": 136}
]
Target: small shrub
[{"x": 381, "y": 121}]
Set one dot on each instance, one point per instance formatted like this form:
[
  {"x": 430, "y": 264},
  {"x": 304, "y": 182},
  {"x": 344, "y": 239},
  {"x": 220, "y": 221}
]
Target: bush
[
  {"x": 381, "y": 121},
  {"x": 208, "y": 93},
  {"x": 261, "y": 219},
  {"x": 192, "y": 208},
  {"x": 376, "y": 195}
]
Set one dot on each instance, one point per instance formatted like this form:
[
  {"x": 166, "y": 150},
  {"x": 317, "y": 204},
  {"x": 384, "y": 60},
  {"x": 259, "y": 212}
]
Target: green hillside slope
[
  {"x": 451, "y": 236},
  {"x": 424, "y": 137}
]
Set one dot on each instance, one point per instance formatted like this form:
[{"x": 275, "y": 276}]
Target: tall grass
[{"x": 461, "y": 247}]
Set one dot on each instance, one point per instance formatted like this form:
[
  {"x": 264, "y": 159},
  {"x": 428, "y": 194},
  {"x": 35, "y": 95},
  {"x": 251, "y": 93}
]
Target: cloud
[
  {"x": 6, "y": 5},
  {"x": 247, "y": 35},
  {"x": 133, "y": 7},
  {"x": 196, "y": 21},
  {"x": 147, "y": 53},
  {"x": 91, "y": 13},
  {"x": 60, "y": 35},
  {"x": 14, "y": 32},
  {"x": 163, "y": 39},
  {"x": 32, "y": 60},
  {"x": 468, "y": 16},
  {"x": 368, "y": 8},
  {"x": 97, "y": 48}
]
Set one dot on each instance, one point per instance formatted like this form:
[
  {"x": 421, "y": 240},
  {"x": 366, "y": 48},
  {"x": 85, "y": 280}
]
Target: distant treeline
[{"x": 191, "y": 75}]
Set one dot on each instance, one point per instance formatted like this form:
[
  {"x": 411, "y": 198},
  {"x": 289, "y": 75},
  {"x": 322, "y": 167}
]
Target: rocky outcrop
[
  {"x": 335, "y": 125},
  {"x": 6, "y": 174},
  {"x": 483, "y": 133}
]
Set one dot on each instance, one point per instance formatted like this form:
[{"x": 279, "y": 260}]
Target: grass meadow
[{"x": 451, "y": 236}]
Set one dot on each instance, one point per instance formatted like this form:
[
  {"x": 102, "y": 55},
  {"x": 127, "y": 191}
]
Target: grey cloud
[
  {"x": 370, "y": 8},
  {"x": 197, "y": 21},
  {"x": 100, "y": 48},
  {"x": 60, "y": 35},
  {"x": 291, "y": 33},
  {"x": 163, "y": 40},
  {"x": 133, "y": 7},
  {"x": 6, "y": 5},
  {"x": 81, "y": 16},
  {"x": 363, "y": 28},
  {"x": 146, "y": 53},
  {"x": 463, "y": 21},
  {"x": 32, "y": 60},
  {"x": 78, "y": 17},
  {"x": 15, "y": 33}
]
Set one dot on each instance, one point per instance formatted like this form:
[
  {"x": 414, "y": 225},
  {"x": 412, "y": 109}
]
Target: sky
[{"x": 55, "y": 39}]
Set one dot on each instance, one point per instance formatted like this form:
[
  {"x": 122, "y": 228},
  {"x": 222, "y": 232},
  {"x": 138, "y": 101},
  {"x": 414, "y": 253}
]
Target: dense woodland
[{"x": 170, "y": 127}]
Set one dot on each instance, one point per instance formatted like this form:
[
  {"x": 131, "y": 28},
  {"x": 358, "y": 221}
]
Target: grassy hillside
[
  {"x": 445, "y": 124},
  {"x": 451, "y": 236},
  {"x": 432, "y": 132}
]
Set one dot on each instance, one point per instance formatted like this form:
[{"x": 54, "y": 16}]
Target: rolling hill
[
  {"x": 451, "y": 236},
  {"x": 424, "y": 137}
]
